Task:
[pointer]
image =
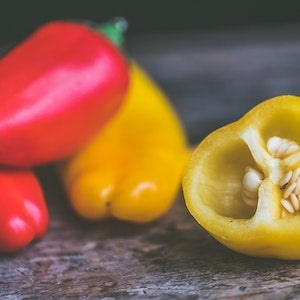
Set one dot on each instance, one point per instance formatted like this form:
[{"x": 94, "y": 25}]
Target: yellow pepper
[
  {"x": 242, "y": 183},
  {"x": 132, "y": 169}
]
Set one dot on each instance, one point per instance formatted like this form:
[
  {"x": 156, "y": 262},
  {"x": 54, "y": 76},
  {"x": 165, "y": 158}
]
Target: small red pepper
[
  {"x": 57, "y": 89},
  {"x": 23, "y": 213}
]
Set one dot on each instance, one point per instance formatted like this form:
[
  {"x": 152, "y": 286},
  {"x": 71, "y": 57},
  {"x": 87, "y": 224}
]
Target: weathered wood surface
[{"x": 212, "y": 78}]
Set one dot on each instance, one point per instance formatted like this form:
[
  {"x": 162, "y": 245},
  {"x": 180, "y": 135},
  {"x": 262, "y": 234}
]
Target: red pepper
[
  {"x": 57, "y": 89},
  {"x": 23, "y": 213}
]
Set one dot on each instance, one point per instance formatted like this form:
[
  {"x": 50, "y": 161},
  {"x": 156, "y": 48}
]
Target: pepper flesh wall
[{"x": 242, "y": 183}]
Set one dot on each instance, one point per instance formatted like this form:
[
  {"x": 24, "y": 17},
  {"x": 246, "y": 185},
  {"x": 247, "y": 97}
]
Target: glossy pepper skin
[
  {"x": 23, "y": 214},
  {"x": 132, "y": 169},
  {"x": 57, "y": 89},
  {"x": 242, "y": 182}
]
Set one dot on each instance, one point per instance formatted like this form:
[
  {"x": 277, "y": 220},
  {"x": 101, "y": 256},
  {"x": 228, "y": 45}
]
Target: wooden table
[{"x": 212, "y": 78}]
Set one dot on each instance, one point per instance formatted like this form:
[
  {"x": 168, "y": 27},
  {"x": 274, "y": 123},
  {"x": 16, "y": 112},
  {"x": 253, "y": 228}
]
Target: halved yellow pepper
[
  {"x": 132, "y": 169},
  {"x": 242, "y": 183}
]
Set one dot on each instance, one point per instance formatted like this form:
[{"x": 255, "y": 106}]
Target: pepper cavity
[{"x": 289, "y": 183}]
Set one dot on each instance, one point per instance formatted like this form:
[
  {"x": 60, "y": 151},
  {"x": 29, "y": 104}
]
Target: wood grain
[{"x": 212, "y": 79}]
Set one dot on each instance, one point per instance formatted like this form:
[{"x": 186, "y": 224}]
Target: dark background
[{"x": 19, "y": 18}]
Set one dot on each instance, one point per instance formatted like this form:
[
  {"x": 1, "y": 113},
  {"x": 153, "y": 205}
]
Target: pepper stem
[{"x": 114, "y": 29}]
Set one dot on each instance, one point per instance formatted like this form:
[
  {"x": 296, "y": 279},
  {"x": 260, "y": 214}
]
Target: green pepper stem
[{"x": 114, "y": 29}]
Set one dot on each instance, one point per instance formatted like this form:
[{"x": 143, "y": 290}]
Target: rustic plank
[{"x": 212, "y": 79}]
